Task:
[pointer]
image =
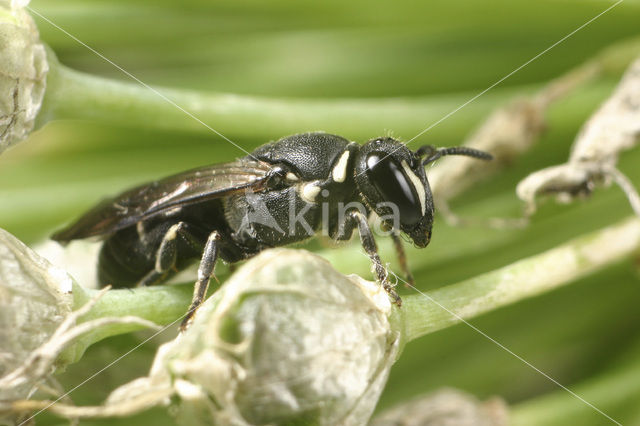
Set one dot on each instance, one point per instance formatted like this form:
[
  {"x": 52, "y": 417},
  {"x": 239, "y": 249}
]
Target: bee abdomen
[{"x": 123, "y": 260}]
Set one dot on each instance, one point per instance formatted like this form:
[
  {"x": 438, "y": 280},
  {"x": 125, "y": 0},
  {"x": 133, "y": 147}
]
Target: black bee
[{"x": 283, "y": 192}]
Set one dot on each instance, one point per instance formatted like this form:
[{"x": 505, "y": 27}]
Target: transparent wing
[{"x": 187, "y": 188}]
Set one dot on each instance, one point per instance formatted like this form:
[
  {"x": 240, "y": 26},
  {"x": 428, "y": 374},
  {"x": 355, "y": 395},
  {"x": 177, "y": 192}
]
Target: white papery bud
[
  {"x": 37, "y": 324},
  {"x": 35, "y": 297},
  {"x": 285, "y": 340},
  {"x": 23, "y": 71},
  {"x": 446, "y": 407}
]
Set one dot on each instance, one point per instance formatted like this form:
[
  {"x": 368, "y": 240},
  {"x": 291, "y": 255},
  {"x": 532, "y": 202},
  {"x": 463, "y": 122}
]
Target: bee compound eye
[{"x": 394, "y": 186}]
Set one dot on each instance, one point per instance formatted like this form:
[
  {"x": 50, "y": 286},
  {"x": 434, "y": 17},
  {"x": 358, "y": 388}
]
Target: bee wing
[{"x": 152, "y": 199}]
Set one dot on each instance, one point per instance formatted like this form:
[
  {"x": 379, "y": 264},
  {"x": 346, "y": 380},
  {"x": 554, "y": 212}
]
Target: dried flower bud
[
  {"x": 23, "y": 71},
  {"x": 286, "y": 339},
  {"x": 446, "y": 407},
  {"x": 35, "y": 297},
  {"x": 37, "y": 324}
]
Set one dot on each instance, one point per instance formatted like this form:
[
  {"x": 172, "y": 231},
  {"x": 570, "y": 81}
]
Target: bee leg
[
  {"x": 370, "y": 247},
  {"x": 402, "y": 258},
  {"x": 205, "y": 272},
  {"x": 166, "y": 255}
]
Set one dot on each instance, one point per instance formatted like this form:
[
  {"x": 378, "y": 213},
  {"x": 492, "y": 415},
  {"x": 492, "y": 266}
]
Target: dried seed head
[
  {"x": 287, "y": 339},
  {"x": 615, "y": 126},
  {"x": 23, "y": 71},
  {"x": 611, "y": 130},
  {"x": 506, "y": 134}
]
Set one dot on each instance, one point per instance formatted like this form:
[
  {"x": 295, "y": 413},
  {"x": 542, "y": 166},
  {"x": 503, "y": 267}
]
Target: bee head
[{"x": 393, "y": 182}]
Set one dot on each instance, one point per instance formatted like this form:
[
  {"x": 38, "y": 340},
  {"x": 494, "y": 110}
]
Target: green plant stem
[
  {"x": 75, "y": 95},
  {"x": 438, "y": 309},
  {"x": 615, "y": 391},
  {"x": 160, "y": 304}
]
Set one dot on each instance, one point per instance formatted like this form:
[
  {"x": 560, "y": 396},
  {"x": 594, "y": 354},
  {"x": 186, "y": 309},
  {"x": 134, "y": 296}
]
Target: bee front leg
[
  {"x": 369, "y": 244},
  {"x": 205, "y": 272}
]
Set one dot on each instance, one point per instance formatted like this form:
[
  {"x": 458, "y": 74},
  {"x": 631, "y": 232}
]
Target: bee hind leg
[
  {"x": 167, "y": 255},
  {"x": 205, "y": 272}
]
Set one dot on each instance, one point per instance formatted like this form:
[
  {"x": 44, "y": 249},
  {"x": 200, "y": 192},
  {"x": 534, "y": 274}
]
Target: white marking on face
[
  {"x": 291, "y": 177},
  {"x": 417, "y": 184},
  {"x": 310, "y": 191},
  {"x": 339, "y": 172}
]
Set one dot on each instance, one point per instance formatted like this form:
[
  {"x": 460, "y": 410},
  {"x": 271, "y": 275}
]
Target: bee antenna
[{"x": 432, "y": 153}]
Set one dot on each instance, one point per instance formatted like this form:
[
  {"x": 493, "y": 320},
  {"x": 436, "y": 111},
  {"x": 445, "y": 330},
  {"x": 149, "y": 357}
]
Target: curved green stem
[
  {"x": 160, "y": 304},
  {"x": 74, "y": 95},
  {"x": 432, "y": 311}
]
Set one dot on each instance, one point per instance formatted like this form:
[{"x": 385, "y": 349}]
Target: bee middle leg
[
  {"x": 167, "y": 254},
  {"x": 402, "y": 258}
]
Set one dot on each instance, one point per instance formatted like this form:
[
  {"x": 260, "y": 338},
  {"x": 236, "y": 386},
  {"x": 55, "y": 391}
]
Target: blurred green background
[{"x": 437, "y": 54}]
